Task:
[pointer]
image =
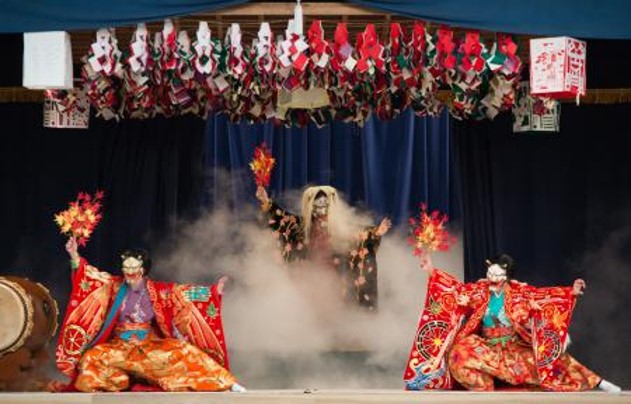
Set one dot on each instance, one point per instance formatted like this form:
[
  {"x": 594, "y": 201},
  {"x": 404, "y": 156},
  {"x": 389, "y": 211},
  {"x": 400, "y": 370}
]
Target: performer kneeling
[
  {"x": 164, "y": 334},
  {"x": 497, "y": 329}
]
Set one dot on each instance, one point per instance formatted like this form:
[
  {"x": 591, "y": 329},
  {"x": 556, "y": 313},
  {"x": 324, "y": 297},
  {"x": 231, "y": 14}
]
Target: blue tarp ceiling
[{"x": 607, "y": 19}]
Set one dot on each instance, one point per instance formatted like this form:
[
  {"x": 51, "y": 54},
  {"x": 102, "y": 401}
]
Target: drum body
[{"x": 28, "y": 315}]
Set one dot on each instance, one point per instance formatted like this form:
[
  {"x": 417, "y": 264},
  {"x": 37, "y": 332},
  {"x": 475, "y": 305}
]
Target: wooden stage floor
[{"x": 317, "y": 396}]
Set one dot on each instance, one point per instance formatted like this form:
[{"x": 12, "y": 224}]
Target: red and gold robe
[
  {"x": 190, "y": 312},
  {"x": 445, "y": 324}
]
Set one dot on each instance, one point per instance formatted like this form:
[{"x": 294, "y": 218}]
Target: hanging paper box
[
  {"x": 67, "y": 109},
  {"x": 47, "y": 60},
  {"x": 558, "y": 67},
  {"x": 535, "y": 114}
]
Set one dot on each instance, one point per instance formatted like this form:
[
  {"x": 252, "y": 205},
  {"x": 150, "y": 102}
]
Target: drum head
[{"x": 16, "y": 313}]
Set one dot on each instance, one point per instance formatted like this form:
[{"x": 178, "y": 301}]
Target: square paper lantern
[
  {"x": 47, "y": 60},
  {"x": 66, "y": 109},
  {"x": 558, "y": 67},
  {"x": 535, "y": 114}
]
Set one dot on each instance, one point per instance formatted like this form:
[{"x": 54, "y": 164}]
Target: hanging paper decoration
[
  {"x": 167, "y": 69},
  {"x": 139, "y": 93},
  {"x": 558, "y": 67},
  {"x": 293, "y": 59},
  {"x": 398, "y": 57},
  {"x": 417, "y": 53},
  {"x": 321, "y": 52},
  {"x": 102, "y": 73},
  {"x": 298, "y": 79},
  {"x": 184, "y": 94},
  {"x": 535, "y": 114},
  {"x": 317, "y": 80},
  {"x": 210, "y": 61},
  {"x": 66, "y": 109},
  {"x": 343, "y": 77},
  {"x": 262, "y": 165},
  {"x": 206, "y": 58},
  {"x": 424, "y": 100},
  {"x": 471, "y": 74},
  {"x": 81, "y": 217},
  {"x": 506, "y": 67},
  {"x": 395, "y": 97},
  {"x": 236, "y": 65},
  {"x": 238, "y": 75},
  {"x": 370, "y": 51},
  {"x": 445, "y": 55},
  {"x": 263, "y": 86},
  {"x": 422, "y": 85},
  {"x": 428, "y": 232},
  {"x": 371, "y": 78}
]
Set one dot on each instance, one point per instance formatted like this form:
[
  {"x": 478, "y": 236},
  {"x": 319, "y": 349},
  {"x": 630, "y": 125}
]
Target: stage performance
[
  {"x": 497, "y": 329},
  {"x": 121, "y": 331}
]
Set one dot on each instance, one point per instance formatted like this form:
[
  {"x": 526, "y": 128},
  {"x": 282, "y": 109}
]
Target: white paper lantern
[
  {"x": 47, "y": 60},
  {"x": 558, "y": 67},
  {"x": 535, "y": 114}
]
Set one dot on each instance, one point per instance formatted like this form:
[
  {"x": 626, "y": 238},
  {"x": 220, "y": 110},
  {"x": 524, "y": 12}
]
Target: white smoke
[{"x": 286, "y": 326}]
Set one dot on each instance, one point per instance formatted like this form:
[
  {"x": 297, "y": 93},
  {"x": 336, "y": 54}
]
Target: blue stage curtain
[
  {"x": 586, "y": 19},
  {"x": 50, "y": 15},
  {"x": 388, "y": 167}
]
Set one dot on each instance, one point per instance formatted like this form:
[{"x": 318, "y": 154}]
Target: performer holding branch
[
  {"x": 321, "y": 236},
  {"x": 496, "y": 329},
  {"x": 123, "y": 330}
]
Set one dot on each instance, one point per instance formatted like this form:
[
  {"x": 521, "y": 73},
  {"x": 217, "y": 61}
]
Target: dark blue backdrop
[{"x": 387, "y": 167}]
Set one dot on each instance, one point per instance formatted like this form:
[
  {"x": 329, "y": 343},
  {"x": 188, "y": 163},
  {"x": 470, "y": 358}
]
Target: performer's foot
[
  {"x": 237, "y": 388},
  {"x": 609, "y": 387}
]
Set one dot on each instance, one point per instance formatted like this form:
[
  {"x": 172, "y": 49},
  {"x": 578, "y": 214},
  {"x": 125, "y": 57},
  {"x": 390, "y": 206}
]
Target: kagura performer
[
  {"x": 320, "y": 236},
  {"x": 496, "y": 329},
  {"x": 121, "y": 330}
]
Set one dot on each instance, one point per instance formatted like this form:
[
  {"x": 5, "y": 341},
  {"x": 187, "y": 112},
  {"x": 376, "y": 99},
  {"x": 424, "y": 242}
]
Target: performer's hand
[
  {"x": 261, "y": 195},
  {"x": 221, "y": 285},
  {"x": 462, "y": 300},
  {"x": 426, "y": 262},
  {"x": 384, "y": 226},
  {"x": 72, "y": 249},
  {"x": 578, "y": 287}
]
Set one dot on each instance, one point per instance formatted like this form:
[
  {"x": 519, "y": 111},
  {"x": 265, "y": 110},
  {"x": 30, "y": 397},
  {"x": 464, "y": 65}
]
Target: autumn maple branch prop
[
  {"x": 428, "y": 232},
  {"x": 81, "y": 217},
  {"x": 262, "y": 165}
]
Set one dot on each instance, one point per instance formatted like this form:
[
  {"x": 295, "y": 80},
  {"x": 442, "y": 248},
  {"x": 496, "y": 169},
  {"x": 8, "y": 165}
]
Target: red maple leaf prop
[
  {"x": 428, "y": 232},
  {"x": 81, "y": 217},
  {"x": 262, "y": 165}
]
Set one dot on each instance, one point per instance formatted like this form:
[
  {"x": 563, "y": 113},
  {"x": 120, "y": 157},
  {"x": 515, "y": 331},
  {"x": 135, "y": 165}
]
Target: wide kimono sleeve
[
  {"x": 193, "y": 313},
  {"x": 426, "y": 367},
  {"x": 287, "y": 228},
  {"x": 548, "y": 326},
  {"x": 88, "y": 305}
]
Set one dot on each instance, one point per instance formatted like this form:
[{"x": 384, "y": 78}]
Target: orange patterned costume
[
  {"x": 182, "y": 347},
  {"x": 456, "y": 342}
]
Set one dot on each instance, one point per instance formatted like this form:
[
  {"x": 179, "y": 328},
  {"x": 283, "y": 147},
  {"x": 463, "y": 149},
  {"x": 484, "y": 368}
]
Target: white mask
[
  {"x": 496, "y": 273},
  {"x": 132, "y": 269},
  {"x": 321, "y": 206}
]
